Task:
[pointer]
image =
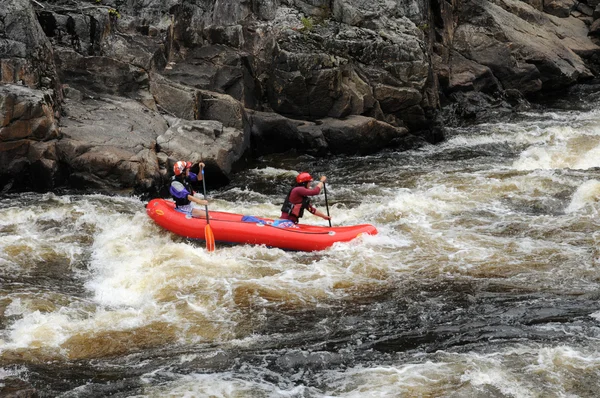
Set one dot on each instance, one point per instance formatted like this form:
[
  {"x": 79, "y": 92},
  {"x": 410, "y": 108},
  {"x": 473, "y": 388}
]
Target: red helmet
[
  {"x": 179, "y": 167},
  {"x": 303, "y": 177}
]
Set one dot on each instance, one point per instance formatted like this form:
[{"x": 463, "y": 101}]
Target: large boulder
[
  {"x": 28, "y": 134},
  {"x": 559, "y": 8},
  {"x": 351, "y": 135},
  {"x": 526, "y": 50},
  {"x": 334, "y": 70},
  {"x": 104, "y": 76},
  {"x": 27, "y": 56},
  {"x": 359, "y": 135},
  {"x": 274, "y": 133},
  {"x": 218, "y": 146},
  {"x": 109, "y": 143},
  {"x": 189, "y": 103},
  {"x": 217, "y": 68}
]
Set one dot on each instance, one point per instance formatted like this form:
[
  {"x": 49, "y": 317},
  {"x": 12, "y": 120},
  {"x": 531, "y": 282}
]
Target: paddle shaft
[
  {"x": 206, "y": 205},
  {"x": 208, "y": 233},
  {"x": 326, "y": 203}
]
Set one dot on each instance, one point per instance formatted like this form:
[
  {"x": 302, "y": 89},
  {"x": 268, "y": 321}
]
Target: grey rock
[
  {"x": 526, "y": 56},
  {"x": 219, "y": 147},
  {"x": 109, "y": 143},
  {"x": 467, "y": 75},
  {"x": 176, "y": 99},
  {"x": 393, "y": 99},
  {"x": 351, "y": 135},
  {"x": 358, "y": 134},
  {"x": 559, "y": 8},
  {"x": 595, "y": 28},
  {"x": 213, "y": 67},
  {"x": 585, "y": 9},
  {"x": 104, "y": 75},
  {"x": 28, "y": 134},
  {"x": 26, "y": 55}
]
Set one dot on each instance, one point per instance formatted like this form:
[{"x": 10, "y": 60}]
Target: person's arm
[
  {"x": 321, "y": 183},
  {"x": 198, "y": 200},
  {"x": 196, "y": 177},
  {"x": 314, "y": 209},
  {"x": 322, "y": 215}
]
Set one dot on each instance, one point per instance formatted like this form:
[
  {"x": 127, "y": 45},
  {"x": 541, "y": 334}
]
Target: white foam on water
[
  {"x": 511, "y": 372},
  {"x": 383, "y": 381},
  {"x": 565, "y": 147},
  {"x": 14, "y": 371},
  {"x": 595, "y": 315},
  {"x": 274, "y": 172},
  {"x": 52, "y": 329},
  {"x": 16, "y": 307},
  {"x": 31, "y": 242},
  {"x": 588, "y": 160},
  {"x": 220, "y": 385},
  {"x": 135, "y": 273},
  {"x": 482, "y": 371},
  {"x": 417, "y": 204},
  {"x": 522, "y": 133},
  {"x": 564, "y": 365},
  {"x": 588, "y": 193}
]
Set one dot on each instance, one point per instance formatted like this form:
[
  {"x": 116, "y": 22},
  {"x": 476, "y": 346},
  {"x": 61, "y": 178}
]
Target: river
[{"x": 484, "y": 279}]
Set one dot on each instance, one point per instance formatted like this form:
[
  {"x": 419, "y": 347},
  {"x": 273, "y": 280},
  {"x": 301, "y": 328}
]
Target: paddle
[
  {"x": 327, "y": 204},
  {"x": 208, "y": 233}
]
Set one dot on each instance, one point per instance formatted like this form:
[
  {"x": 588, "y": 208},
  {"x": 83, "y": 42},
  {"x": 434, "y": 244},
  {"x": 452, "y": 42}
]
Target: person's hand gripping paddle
[{"x": 208, "y": 233}]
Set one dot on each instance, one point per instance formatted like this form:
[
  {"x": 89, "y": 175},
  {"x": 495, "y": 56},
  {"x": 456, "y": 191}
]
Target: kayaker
[
  {"x": 181, "y": 189},
  {"x": 298, "y": 199}
]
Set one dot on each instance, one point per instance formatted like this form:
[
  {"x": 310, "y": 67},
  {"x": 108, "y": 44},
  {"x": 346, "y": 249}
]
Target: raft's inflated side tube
[{"x": 229, "y": 227}]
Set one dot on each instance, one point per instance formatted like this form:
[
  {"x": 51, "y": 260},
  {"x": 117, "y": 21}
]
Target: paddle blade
[{"x": 210, "y": 238}]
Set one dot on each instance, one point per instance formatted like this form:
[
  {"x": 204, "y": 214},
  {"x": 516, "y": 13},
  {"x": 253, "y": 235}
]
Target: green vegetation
[
  {"x": 114, "y": 13},
  {"x": 307, "y": 24}
]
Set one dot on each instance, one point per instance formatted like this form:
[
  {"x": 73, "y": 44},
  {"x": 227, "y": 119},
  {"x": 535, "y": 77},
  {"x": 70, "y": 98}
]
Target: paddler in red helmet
[{"x": 298, "y": 199}]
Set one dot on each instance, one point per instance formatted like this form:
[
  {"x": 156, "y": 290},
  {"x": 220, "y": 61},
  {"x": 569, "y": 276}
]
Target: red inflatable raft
[{"x": 229, "y": 227}]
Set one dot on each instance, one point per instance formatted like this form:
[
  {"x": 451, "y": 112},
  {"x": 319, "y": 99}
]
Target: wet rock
[
  {"x": 176, "y": 99},
  {"x": 27, "y": 56},
  {"x": 524, "y": 48},
  {"x": 393, "y": 99},
  {"x": 216, "y": 68},
  {"x": 584, "y": 9},
  {"x": 274, "y": 133},
  {"x": 466, "y": 75},
  {"x": 13, "y": 387},
  {"x": 559, "y": 8},
  {"x": 355, "y": 134},
  {"x": 104, "y": 75},
  {"x": 109, "y": 144},
  {"x": 28, "y": 134},
  {"x": 218, "y": 146},
  {"x": 595, "y": 28},
  {"x": 351, "y": 135},
  {"x": 472, "y": 106}
]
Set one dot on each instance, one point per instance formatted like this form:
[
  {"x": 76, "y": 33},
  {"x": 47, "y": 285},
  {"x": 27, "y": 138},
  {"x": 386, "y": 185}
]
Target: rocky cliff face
[{"x": 108, "y": 94}]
